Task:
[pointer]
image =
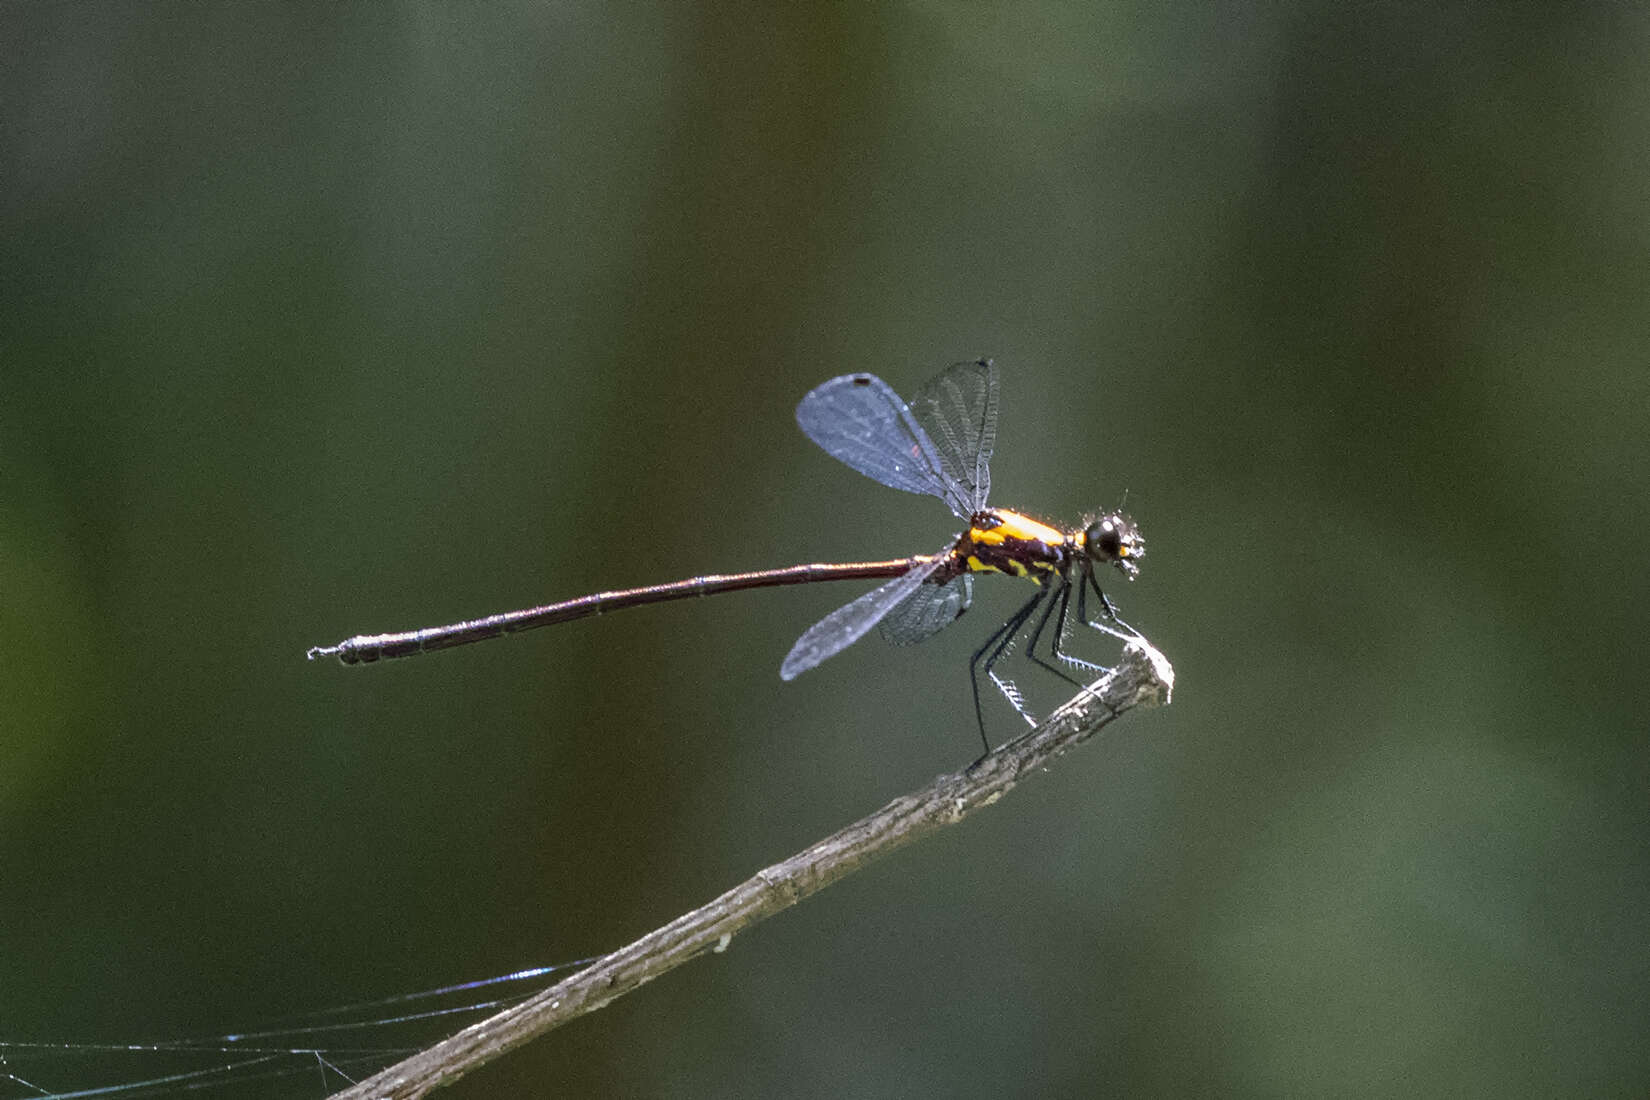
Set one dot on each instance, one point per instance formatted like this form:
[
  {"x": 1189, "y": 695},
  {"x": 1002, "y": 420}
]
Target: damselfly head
[{"x": 1114, "y": 538}]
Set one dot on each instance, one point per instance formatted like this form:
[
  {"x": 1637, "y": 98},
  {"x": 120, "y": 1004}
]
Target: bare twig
[{"x": 1143, "y": 679}]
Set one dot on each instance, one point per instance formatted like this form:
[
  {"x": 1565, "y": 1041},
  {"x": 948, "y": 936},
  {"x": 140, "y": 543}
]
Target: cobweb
[{"x": 291, "y": 1058}]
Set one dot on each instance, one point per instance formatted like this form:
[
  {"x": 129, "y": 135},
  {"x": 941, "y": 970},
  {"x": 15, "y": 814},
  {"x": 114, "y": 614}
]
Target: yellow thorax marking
[
  {"x": 1015, "y": 568},
  {"x": 1013, "y": 526},
  {"x": 1016, "y": 526}
]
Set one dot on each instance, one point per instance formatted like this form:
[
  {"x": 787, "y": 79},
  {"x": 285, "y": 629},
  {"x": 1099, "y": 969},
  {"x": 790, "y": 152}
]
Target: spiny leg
[
  {"x": 1063, "y": 626},
  {"x": 973, "y": 675},
  {"x": 993, "y": 650},
  {"x": 1009, "y": 689},
  {"x": 1111, "y": 612},
  {"x": 1083, "y": 613},
  {"x": 1062, "y": 601},
  {"x": 987, "y": 656}
]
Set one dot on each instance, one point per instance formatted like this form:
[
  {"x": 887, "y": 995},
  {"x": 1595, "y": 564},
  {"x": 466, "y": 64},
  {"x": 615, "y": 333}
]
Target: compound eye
[{"x": 1104, "y": 540}]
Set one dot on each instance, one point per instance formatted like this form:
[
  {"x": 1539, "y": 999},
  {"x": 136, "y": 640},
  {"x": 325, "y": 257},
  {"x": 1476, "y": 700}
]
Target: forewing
[
  {"x": 860, "y": 420},
  {"x": 958, "y": 408},
  {"x": 848, "y": 623},
  {"x": 927, "y": 611}
]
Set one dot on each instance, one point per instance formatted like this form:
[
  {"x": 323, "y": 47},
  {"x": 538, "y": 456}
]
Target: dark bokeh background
[{"x": 316, "y": 321}]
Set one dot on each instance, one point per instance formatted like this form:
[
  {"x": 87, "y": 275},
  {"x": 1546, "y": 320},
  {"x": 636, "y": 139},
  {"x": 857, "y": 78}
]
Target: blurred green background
[{"x": 318, "y": 320}]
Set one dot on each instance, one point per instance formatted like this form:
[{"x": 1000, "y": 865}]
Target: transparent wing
[
  {"x": 848, "y": 623},
  {"x": 860, "y": 420},
  {"x": 958, "y": 407},
  {"x": 927, "y": 611}
]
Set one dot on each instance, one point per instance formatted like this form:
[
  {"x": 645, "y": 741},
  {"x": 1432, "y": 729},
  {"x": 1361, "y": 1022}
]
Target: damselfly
[{"x": 939, "y": 445}]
